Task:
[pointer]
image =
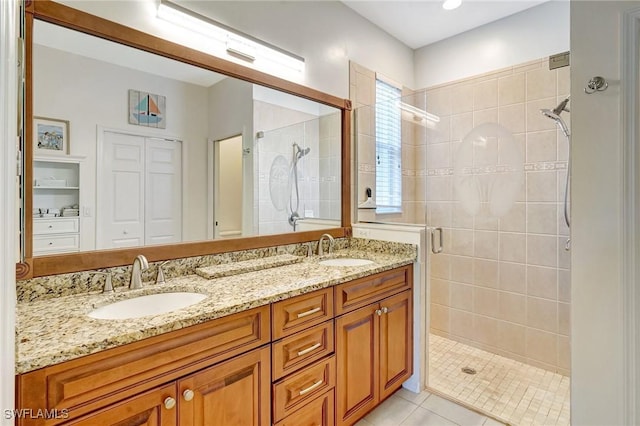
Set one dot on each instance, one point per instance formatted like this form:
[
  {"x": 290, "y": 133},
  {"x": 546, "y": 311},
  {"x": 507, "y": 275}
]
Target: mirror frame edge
[{"x": 56, "y": 13}]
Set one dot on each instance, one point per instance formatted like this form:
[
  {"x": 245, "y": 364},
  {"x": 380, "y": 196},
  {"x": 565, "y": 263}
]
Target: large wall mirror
[{"x": 139, "y": 146}]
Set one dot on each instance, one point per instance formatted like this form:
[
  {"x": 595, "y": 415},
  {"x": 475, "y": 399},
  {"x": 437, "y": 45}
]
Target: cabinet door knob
[
  {"x": 169, "y": 403},
  {"x": 385, "y": 309},
  {"x": 125, "y": 232},
  {"x": 188, "y": 395},
  {"x": 50, "y": 226},
  {"x": 378, "y": 312}
]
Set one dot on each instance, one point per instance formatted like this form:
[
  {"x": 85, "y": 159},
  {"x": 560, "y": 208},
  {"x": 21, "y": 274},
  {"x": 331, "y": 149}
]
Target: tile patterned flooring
[{"x": 515, "y": 393}]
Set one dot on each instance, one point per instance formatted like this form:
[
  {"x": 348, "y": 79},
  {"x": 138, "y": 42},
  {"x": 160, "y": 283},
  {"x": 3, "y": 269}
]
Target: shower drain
[{"x": 468, "y": 370}]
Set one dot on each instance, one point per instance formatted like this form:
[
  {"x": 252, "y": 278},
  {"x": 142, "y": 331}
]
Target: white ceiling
[{"x": 420, "y": 22}]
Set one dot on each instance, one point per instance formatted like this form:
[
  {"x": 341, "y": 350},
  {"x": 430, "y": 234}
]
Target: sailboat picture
[{"x": 146, "y": 109}]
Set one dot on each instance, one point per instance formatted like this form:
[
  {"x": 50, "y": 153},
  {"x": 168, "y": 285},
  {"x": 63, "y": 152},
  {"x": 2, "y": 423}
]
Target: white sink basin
[
  {"x": 152, "y": 304},
  {"x": 345, "y": 261}
]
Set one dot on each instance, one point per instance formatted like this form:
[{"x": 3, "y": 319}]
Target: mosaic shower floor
[{"x": 513, "y": 392}]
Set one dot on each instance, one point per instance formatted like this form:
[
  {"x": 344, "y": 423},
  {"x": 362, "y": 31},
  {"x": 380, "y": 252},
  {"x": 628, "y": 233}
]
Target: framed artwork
[
  {"x": 147, "y": 109},
  {"x": 51, "y": 136}
]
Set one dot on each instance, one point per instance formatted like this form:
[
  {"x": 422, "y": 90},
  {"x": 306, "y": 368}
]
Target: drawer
[
  {"x": 358, "y": 293},
  {"x": 56, "y": 243},
  {"x": 319, "y": 412},
  {"x": 95, "y": 381},
  {"x": 293, "y": 392},
  {"x": 56, "y": 226},
  {"x": 301, "y": 349},
  {"x": 300, "y": 312}
]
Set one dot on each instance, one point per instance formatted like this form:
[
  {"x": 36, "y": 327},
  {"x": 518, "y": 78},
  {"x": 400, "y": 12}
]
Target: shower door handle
[{"x": 438, "y": 249}]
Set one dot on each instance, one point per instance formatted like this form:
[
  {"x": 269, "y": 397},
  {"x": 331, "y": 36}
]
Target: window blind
[{"x": 388, "y": 148}]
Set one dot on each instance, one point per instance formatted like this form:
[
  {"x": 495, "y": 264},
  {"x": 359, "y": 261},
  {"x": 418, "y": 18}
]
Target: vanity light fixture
[
  {"x": 451, "y": 4},
  {"x": 259, "y": 54},
  {"x": 419, "y": 113}
]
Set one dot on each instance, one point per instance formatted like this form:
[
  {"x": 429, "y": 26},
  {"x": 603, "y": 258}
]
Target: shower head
[
  {"x": 299, "y": 152},
  {"x": 552, "y": 114}
]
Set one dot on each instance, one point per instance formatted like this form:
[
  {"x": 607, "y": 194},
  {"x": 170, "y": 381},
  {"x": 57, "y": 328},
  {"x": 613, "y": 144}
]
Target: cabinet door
[
  {"x": 153, "y": 408},
  {"x": 357, "y": 345},
  {"x": 235, "y": 392},
  {"x": 396, "y": 342}
]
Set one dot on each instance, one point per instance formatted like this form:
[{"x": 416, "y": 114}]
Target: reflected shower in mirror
[{"x": 143, "y": 160}]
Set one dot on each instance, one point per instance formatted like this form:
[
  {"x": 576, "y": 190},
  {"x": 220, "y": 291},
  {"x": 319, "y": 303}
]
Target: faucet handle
[
  {"x": 108, "y": 283},
  {"x": 160, "y": 277}
]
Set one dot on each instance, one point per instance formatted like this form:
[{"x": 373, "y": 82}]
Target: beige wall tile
[
  {"x": 564, "y": 256},
  {"x": 512, "y": 117},
  {"x": 461, "y": 98},
  {"x": 511, "y": 337},
  {"x": 542, "y": 218},
  {"x": 485, "y": 244},
  {"x": 485, "y": 301},
  {"x": 564, "y": 353},
  {"x": 439, "y": 101},
  {"x": 440, "y": 266},
  {"x": 542, "y": 146},
  {"x": 511, "y": 89},
  {"x": 542, "y": 250},
  {"x": 461, "y": 296},
  {"x": 485, "y": 95},
  {"x": 564, "y": 285},
  {"x": 513, "y": 277},
  {"x": 485, "y": 330},
  {"x": 515, "y": 219},
  {"x": 541, "y": 186},
  {"x": 564, "y": 81},
  {"x": 513, "y": 247},
  {"x": 439, "y": 132},
  {"x": 461, "y": 242},
  {"x": 541, "y": 83},
  {"x": 365, "y": 89},
  {"x": 438, "y": 188},
  {"x": 440, "y": 317},
  {"x": 439, "y": 214},
  {"x": 564, "y": 319},
  {"x": 460, "y": 217},
  {"x": 542, "y": 314},
  {"x": 542, "y": 282},
  {"x": 438, "y": 156},
  {"x": 483, "y": 221},
  {"x": 542, "y": 346},
  {"x": 485, "y": 273},
  {"x": 462, "y": 269},
  {"x": 461, "y": 124},
  {"x": 512, "y": 307},
  {"x": 461, "y": 323},
  {"x": 535, "y": 120},
  {"x": 440, "y": 291},
  {"x": 485, "y": 116}
]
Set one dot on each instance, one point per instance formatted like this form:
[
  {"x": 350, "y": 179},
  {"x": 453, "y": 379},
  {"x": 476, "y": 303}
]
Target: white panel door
[
  {"x": 163, "y": 191},
  {"x": 120, "y": 215}
]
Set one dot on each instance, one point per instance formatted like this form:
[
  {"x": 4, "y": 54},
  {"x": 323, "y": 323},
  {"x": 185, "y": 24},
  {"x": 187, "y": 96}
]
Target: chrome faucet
[
  {"x": 331, "y": 241},
  {"x": 139, "y": 264}
]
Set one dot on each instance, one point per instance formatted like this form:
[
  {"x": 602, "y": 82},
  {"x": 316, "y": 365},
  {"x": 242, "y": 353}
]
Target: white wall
[
  {"x": 89, "y": 93},
  {"x": 597, "y": 209},
  {"x": 532, "y": 34},
  {"x": 8, "y": 222},
  {"x": 326, "y": 33}
]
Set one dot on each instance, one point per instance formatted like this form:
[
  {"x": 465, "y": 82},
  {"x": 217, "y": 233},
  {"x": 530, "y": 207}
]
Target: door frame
[
  {"x": 630, "y": 68},
  {"x": 100, "y": 131}
]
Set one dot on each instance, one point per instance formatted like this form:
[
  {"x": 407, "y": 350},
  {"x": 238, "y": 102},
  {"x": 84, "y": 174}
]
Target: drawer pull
[
  {"x": 312, "y": 387},
  {"x": 309, "y": 312},
  {"x": 309, "y": 349},
  {"x": 50, "y": 226},
  {"x": 169, "y": 403},
  {"x": 50, "y": 243},
  {"x": 188, "y": 395}
]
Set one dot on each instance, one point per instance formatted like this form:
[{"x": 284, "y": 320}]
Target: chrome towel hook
[{"x": 596, "y": 84}]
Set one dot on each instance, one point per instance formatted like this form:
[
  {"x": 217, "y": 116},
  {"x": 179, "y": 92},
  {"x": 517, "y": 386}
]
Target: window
[{"x": 388, "y": 148}]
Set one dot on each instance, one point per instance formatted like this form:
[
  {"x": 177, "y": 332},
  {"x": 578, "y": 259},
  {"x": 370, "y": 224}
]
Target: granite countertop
[{"x": 57, "y": 330}]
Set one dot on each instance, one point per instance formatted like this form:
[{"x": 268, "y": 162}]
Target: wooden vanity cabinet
[
  {"x": 105, "y": 379},
  {"x": 374, "y": 342},
  {"x": 303, "y": 360}
]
